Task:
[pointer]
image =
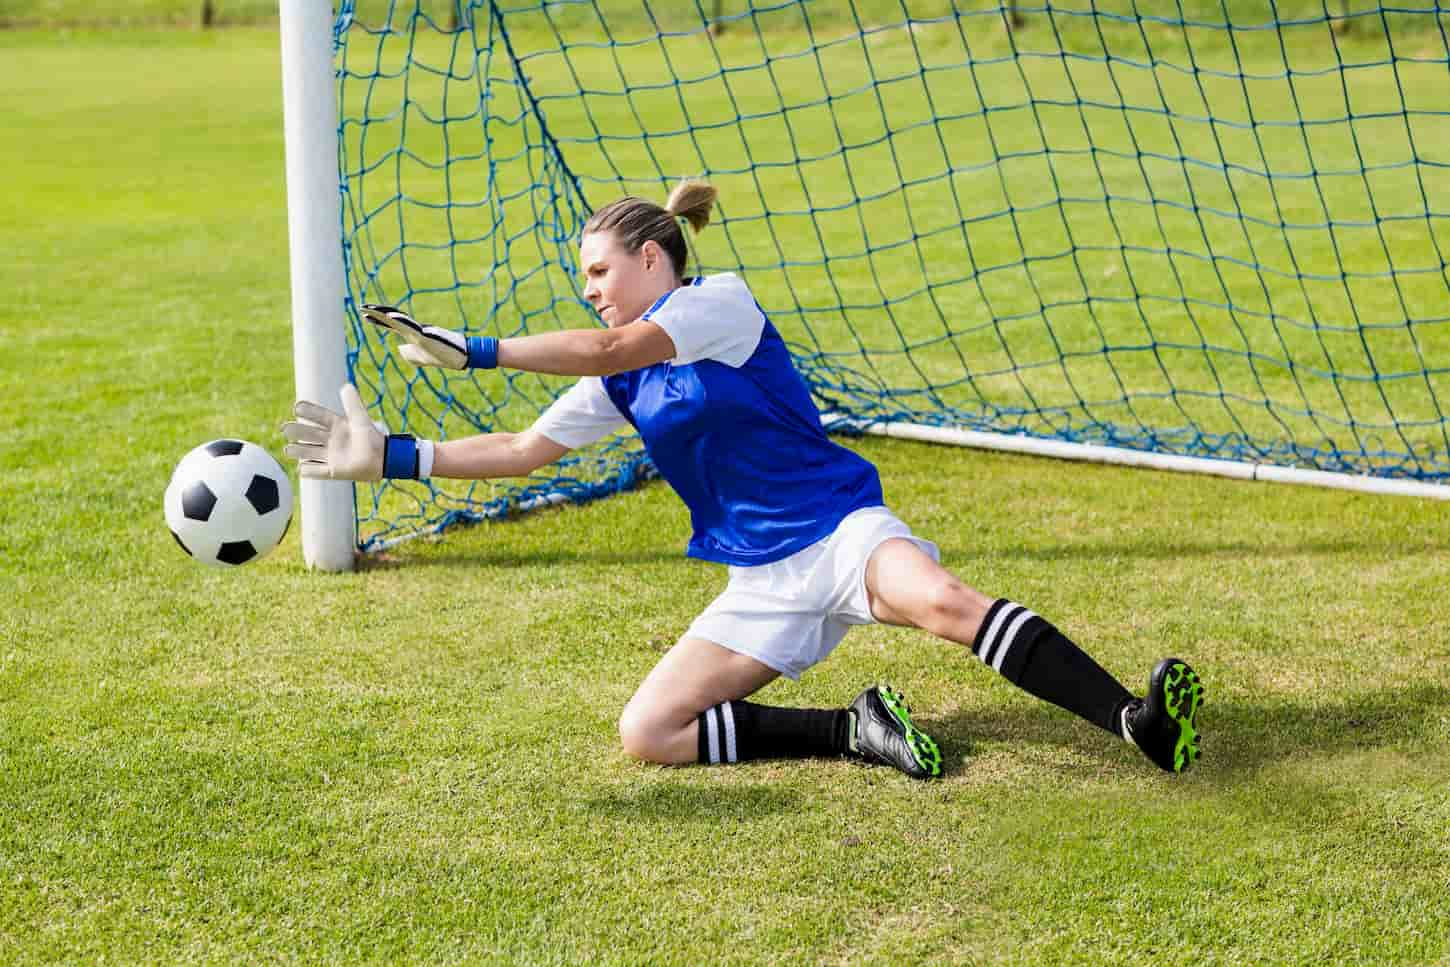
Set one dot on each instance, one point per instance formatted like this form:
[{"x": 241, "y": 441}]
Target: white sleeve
[
  {"x": 712, "y": 318},
  {"x": 582, "y": 414}
]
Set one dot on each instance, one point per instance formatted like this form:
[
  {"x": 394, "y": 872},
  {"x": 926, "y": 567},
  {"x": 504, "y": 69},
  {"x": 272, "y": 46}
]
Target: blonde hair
[
  {"x": 634, "y": 221},
  {"x": 692, "y": 200}
]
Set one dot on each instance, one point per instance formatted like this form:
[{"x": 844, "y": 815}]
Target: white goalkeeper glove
[
  {"x": 331, "y": 446},
  {"x": 431, "y": 346}
]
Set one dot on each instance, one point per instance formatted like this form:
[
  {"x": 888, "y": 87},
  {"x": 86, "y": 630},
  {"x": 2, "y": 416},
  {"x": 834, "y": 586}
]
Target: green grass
[{"x": 417, "y": 761}]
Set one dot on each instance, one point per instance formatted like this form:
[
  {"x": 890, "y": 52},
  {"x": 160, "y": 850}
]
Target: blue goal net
[{"x": 1198, "y": 228}]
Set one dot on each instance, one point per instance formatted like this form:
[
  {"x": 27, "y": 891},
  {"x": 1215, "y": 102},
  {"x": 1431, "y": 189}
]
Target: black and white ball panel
[
  {"x": 197, "y": 501},
  {"x": 225, "y": 448}
]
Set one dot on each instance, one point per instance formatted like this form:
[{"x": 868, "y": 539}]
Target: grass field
[{"x": 417, "y": 761}]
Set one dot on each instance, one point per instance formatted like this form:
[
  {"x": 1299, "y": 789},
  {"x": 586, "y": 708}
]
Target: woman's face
[{"x": 620, "y": 285}]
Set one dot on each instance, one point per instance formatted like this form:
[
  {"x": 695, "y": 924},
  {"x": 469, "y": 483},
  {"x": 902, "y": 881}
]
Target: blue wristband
[
  {"x": 482, "y": 352},
  {"x": 400, "y": 457}
]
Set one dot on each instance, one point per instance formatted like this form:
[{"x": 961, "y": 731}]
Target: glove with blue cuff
[
  {"x": 431, "y": 346},
  {"x": 332, "y": 446}
]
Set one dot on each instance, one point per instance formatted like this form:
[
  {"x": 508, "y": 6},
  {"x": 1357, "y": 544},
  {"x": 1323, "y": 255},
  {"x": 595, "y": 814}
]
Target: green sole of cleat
[
  {"x": 923, "y": 747},
  {"x": 1182, "y": 696}
]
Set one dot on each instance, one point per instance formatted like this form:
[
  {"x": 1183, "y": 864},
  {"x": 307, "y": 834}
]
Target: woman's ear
[{"x": 654, "y": 256}]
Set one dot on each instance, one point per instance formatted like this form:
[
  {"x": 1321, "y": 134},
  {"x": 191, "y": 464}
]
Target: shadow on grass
[
  {"x": 678, "y": 802},
  {"x": 1239, "y": 737},
  {"x": 543, "y": 557}
]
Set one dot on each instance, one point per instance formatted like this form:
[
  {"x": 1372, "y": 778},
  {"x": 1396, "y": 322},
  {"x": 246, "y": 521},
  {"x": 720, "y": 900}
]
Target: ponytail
[{"x": 692, "y": 200}]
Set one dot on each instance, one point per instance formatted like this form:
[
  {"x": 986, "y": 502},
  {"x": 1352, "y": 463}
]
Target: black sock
[
  {"x": 1036, "y": 657},
  {"x": 737, "y": 731}
]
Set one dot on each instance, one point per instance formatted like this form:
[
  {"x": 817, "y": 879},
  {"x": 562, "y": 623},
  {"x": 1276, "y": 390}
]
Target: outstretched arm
[
  {"x": 571, "y": 352},
  {"x": 588, "y": 352},
  {"x": 490, "y": 455},
  {"x": 347, "y": 446}
]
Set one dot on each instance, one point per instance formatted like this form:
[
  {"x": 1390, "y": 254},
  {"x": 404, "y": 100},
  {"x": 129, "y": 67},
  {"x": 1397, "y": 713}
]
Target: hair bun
[{"x": 692, "y": 200}]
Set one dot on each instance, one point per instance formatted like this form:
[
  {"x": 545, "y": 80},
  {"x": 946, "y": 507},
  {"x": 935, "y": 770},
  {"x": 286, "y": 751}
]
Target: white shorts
[{"x": 792, "y": 614}]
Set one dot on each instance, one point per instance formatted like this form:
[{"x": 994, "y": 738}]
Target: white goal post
[
  {"x": 314, "y": 235},
  {"x": 1095, "y": 453}
]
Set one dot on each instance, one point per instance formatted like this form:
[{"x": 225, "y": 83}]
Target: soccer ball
[{"x": 228, "y": 503}]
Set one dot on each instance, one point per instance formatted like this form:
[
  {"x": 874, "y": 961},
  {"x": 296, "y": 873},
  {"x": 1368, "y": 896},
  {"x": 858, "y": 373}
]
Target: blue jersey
[{"x": 730, "y": 425}]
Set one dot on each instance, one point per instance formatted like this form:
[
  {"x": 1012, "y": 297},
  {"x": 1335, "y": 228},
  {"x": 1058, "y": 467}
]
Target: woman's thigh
[
  {"x": 695, "y": 675},
  {"x": 906, "y": 586}
]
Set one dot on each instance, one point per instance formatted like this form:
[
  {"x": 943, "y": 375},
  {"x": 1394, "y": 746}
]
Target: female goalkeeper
[{"x": 699, "y": 371}]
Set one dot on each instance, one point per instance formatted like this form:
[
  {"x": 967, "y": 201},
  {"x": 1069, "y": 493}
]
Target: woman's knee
[
  {"x": 643, "y": 732},
  {"x": 951, "y": 607}
]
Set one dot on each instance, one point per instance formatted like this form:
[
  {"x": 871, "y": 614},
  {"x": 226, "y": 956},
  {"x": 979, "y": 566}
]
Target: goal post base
[{"x": 1097, "y": 453}]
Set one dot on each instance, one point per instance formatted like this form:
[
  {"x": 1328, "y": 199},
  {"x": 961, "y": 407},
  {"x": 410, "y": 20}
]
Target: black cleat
[
  {"x": 1163, "y": 724},
  {"x": 881, "y": 732}
]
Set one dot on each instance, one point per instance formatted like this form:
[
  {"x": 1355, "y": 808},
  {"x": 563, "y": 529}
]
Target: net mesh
[{"x": 1201, "y": 229}]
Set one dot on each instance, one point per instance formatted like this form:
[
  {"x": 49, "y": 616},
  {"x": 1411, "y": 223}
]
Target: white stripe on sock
[
  {"x": 729, "y": 718},
  {"x": 990, "y": 639},
  {"x": 1009, "y": 637},
  {"x": 712, "y": 735}
]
